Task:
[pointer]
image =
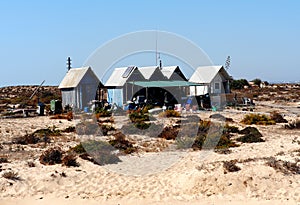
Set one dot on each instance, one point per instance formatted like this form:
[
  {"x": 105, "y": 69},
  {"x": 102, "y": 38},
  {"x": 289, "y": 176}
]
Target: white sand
[{"x": 152, "y": 178}]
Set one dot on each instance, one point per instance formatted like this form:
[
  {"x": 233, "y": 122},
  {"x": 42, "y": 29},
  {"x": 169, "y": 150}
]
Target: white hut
[
  {"x": 79, "y": 87},
  {"x": 212, "y": 80}
]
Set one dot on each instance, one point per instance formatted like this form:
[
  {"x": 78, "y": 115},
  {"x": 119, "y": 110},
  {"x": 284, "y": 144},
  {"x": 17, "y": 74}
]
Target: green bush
[
  {"x": 138, "y": 116},
  {"x": 100, "y": 112},
  {"x": 238, "y": 84}
]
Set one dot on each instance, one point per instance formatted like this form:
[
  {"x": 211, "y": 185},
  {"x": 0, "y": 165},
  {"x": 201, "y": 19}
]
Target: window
[{"x": 217, "y": 86}]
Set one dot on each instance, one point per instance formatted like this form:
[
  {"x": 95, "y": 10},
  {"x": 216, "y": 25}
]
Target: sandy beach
[{"x": 166, "y": 177}]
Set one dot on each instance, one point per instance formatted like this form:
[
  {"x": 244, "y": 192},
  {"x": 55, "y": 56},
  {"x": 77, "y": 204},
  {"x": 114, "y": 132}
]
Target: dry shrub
[
  {"x": 3, "y": 159},
  {"x": 251, "y": 135},
  {"x": 69, "y": 160},
  {"x": 102, "y": 113},
  {"x": 105, "y": 128},
  {"x": 69, "y": 129},
  {"x": 109, "y": 120},
  {"x": 169, "y": 133},
  {"x": 275, "y": 116},
  {"x": 69, "y": 116},
  {"x": 138, "y": 116},
  {"x": 231, "y": 129},
  {"x": 31, "y": 164},
  {"x": 220, "y": 117},
  {"x": 142, "y": 128},
  {"x": 257, "y": 119},
  {"x": 11, "y": 175},
  {"x": 51, "y": 156},
  {"x": 121, "y": 143},
  {"x": 208, "y": 136},
  {"x": 98, "y": 152},
  {"x": 30, "y": 139},
  {"x": 169, "y": 113},
  {"x": 230, "y": 166},
  {"x": 41, "y": 135},
  {"x": 284, "y": 166}
]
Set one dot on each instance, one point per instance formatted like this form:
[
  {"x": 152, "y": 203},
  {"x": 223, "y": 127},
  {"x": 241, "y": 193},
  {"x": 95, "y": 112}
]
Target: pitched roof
[
  {"x": 148, "y": 71},
  {"x": 74, "y": 76},
  {"x": 168, "y": 71},
  {"x": 121, "y": 75},
  {"x": 205, "y": 74}
]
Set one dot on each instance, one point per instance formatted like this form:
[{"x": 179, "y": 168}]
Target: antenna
[
  {"x": 156, "y": 48},
  {"x": 69, "y": 63},
  {"x": 227, "y": 63}
]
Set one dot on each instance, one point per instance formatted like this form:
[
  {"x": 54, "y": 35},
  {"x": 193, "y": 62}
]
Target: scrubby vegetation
[
  {"x": 169, "y": 113},
  {"x": 137, "y": 116},
  {"x": 69, "y": 160},
  {"x": 100, "y": 112},
  {"x": 208, "y": 136},
  {"x": 250, "y": 135},
  {"x": 169, "y": 133},
  {"x": 220, "y": 117},
  {"x": 257, "y": 119},
  {"x": 231, "y": 129},
  {"x": 11, "y": 175},
  {"x": 69, "y": 129},
  {"x": 142, "y": 128},
  {"x": 69, "y": 116},
  {"x": 276, "y": 117},
  {"x": 40, "y": 135},
  {"x": 121, "y": 143},
  {"x": 230, "y": 166},
  {"x": 284, "y": 166},
  {"x": 98, "y": 152},
  {"x": 238, "y": 84},
  {"x": 3, "y": 159},
  {"x": 51, "y": 156}
]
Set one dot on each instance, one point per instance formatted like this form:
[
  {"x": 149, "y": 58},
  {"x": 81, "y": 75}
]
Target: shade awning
[{"x": 163, "y": 83}]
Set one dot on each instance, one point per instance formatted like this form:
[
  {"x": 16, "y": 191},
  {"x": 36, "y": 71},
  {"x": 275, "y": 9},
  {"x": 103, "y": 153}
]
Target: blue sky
[{"x": 262, "y": 37}]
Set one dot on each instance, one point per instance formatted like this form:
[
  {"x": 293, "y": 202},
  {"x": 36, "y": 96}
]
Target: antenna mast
[
  {"x": 69, "y": 63},
  {"x": 156, "y": 49},
  {"x": 227, "y": 63}
]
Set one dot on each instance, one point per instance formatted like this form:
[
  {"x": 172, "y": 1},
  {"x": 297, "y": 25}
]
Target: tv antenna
[
  {"x": 69, "y": 63},
  {"x": 156, "y": 56},
  {"x": 227, "y": 63}
]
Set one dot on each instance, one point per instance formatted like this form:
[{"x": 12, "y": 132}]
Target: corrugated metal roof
[
  {"x": 205, "y": 74},
  {"x": 163, "y": 84},
  {"x": 168, "y": 71},
  {"x": 148, "y": 71},
  {"x": 74, "y": 76}
]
